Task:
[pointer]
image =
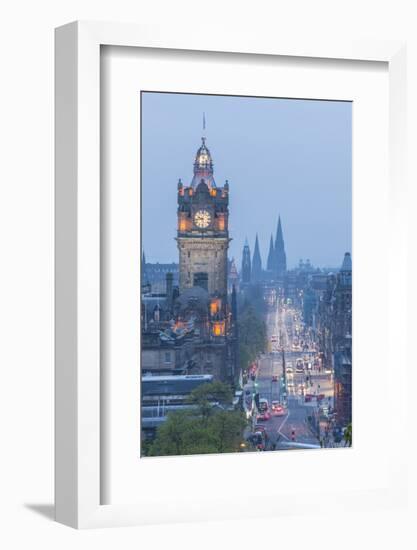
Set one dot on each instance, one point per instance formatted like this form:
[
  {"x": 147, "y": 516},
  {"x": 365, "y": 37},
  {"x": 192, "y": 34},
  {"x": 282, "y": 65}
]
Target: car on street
[
  {"x": 275, "y": 378},
  {"x": 263, "y": 416},
  {"x": 263, "y": 404},
  {"x": 277, "y": 408},
  {"x": 258, "y": 440},
  {"x": 261, "y": 428},
  {"x": 299, "y": 368}
]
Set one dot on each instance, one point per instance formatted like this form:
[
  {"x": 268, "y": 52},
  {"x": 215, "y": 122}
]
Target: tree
[
  {"x": 347, "y": 436},
  {"x": 252, "y": 336},
  {"x": 202, "y": 429},
  {"x": 182, "y": 433},
  {"x": 206, "y": 394},
  {"x": 226, "y": 430}
]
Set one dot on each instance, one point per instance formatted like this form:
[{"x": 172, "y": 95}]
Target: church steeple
[
  {"x": 246, "y": 263},
  {"x": 347, "y": 263},
  {"x": 271, "y": 256},
  {"x": 279, "y": 239},
  {"x": 280, "y": 256},
  {"x": 144, "y": 274},
  {"x": 256, "y": 262},
  {"x": 345, "y": 273}
]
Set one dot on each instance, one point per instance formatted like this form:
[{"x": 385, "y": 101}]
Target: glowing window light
[
  {"x": 215, "y": 306},
  {"x": 218, "y": 329}
]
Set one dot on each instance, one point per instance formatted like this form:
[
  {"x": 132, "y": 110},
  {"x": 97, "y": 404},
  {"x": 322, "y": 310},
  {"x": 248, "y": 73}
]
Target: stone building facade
[
  {"x": 190, "y": 327},
  {"x": 202, "y": 233},
  {"x": 334, "y": 331}
]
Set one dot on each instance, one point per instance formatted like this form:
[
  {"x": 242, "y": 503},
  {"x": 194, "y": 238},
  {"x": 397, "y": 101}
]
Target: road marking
[{"x": 279, "y": 429}]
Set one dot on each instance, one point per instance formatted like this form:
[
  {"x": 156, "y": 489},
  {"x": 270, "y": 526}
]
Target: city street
[{"x": 291, "y": 430}]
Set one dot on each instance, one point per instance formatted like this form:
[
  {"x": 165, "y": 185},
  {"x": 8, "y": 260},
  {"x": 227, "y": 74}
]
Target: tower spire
[
  {"x": 271, "y": 256},
  {"x": 279, "y": 239},
  {"x": 347, "y": 262},
  {"x": 280, "y": 256},
  {"x": 256, "y": 262},
  {"x": 246, "y": 263}
]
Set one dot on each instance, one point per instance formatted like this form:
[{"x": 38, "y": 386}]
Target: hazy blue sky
[{"x": 281, "y": 156}]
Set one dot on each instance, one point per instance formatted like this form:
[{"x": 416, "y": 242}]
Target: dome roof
[
  {"x": 203, "y": 156},
  {"x": 203, "y": 166}
]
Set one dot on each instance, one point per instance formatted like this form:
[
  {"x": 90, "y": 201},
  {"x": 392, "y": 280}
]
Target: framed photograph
[
  {"x": 245, "y": 348},
  {"x": 226, "y": 217}
]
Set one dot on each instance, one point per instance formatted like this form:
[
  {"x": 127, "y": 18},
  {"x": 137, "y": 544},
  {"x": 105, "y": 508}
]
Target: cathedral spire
[
  {"x": 144, "y": 272},
  {"x": 347, "y": 262},
  {"x": 280, "y": 256},
  {"x": 345, "y": 273},
  {"x": 256, "y": 262},
  {"x": 279, "y": 239},
  {"x": 246, "y": 263},
  {"x": 271, "y": 256}
]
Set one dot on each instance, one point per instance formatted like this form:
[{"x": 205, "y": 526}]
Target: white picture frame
[{"x": 78, "y": 406}]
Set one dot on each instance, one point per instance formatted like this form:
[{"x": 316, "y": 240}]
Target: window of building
[
  {"x": 167, "y": 357},
  {"x": 218, "y": 328}
]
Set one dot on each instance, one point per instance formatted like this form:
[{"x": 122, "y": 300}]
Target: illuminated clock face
[{"x": 202, "y": 219}]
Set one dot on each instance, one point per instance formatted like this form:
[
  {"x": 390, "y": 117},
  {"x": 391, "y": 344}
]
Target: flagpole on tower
[{"x": 204, "y": 125}]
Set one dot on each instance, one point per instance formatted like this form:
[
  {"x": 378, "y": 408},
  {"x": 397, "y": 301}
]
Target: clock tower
[{"x": 202, "y": 233}]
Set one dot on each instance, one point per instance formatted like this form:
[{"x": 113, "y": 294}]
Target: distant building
[
  {"x": 256, "y": 263},
  {"x": 280, "y": 256},
  {"x": 276, "y": 265},
  {"x": 271, "y": 263},
  {"x": 343, "y": 382},
  {"x": 154, "y": 274},
  {"x": 334, "y": 331},
  {"x": 246, "y": 273},
  {"x": 343, "y": 342},
  {"x": 233, "y": 276}
]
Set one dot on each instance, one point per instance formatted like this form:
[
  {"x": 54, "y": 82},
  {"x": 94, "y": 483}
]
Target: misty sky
[{"x": 281, "y": 156}]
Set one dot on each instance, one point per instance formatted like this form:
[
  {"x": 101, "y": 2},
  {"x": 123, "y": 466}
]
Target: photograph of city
[{"x": 246, "y": 274}]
